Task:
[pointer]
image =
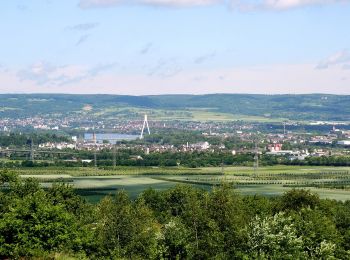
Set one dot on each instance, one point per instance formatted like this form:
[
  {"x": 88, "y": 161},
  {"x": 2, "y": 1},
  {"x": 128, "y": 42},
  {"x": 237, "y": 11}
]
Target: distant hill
[{"x": 295, "y": 107}]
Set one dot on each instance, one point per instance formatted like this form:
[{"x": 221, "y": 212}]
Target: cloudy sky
[{"x": 175, "y": 46}]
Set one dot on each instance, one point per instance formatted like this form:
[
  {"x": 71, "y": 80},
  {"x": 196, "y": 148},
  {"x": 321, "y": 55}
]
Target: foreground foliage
[{"x": 180, "y": 223}]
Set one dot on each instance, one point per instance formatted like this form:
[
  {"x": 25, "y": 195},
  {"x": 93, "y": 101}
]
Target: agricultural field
[
  {"x": 202, "y": 115},
  {"x": 277, "y": 169},
  {"x": 189, "y": 114},
  {"x": 264, "y": 107},
  {"x": 131, "y": 170},
  {"x": 108, "y": 171},
  {"x": 94, "y": 183}
]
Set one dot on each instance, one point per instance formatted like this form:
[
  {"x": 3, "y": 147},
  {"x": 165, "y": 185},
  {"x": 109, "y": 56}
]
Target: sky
[{"x": 147, "y": 47}]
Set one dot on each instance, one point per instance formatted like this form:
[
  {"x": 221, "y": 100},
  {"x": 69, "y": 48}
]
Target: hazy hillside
[{"x": 308, "y": 107}]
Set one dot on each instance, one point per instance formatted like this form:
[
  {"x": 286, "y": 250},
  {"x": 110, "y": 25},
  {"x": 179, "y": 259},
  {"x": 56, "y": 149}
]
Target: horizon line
[{"x": 173, "y": 94}]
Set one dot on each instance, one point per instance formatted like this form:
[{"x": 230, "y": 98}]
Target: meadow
[
  {"x": 94, "y": 183},
  {"x": 188, "y": 114}
]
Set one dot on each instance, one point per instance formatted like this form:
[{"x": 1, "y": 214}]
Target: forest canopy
[
  {"x": 294, "y": 107},
  {"x": 179, "y": 223}
]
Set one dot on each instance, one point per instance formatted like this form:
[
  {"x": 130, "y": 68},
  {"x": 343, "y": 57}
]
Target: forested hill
[{"x": 296, "y": 107}]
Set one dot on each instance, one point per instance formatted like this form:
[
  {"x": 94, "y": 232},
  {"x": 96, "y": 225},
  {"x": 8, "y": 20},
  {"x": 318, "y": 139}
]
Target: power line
[
  {"x": 95, "y": 156},
  {"x": 114, "y": 155},
  {"x": 256, "y": 158}
]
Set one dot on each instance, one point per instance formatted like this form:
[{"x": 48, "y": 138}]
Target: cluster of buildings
[
  {"x": 245, "y": 132},
  {"x": 277, "y": 150},
  {"x": 38, "y": 123},
  {"x": 87, "y": 123},
  {"x": 58, "y": 146}
]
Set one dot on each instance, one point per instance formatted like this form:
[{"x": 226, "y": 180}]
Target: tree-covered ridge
[
  {"x": 179, "y": 223},
  {"x": 296, "y": 107}
]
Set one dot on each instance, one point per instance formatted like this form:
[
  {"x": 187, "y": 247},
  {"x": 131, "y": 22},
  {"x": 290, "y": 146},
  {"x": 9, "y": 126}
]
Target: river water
[{"x": 111, "y": 138}]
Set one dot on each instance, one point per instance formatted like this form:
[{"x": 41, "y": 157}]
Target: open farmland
[
  {"x": 185, "y": 114},
  {"x": 328, "y": 182}
]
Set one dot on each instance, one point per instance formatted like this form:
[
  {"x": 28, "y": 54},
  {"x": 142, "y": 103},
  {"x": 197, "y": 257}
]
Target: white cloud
[
  {"x": 83, "y": 38},
  {"x": 180, "y": 3},
  {"x": 264, "y": 79},
  {"x": 287, "y": 4},
  {"x": 45, "y": 74},
  {"x": 170, "y": 3},
  {"x": 146, "y": 49},
  {"x": 165, "y": 68},
  {"x": 82, "y": 27},
  {"x": 204, "y": 58},
  {"x": 99, "y": 3},
  {"x": 242, "y": 5},
  {"x": 341, "y": 58}
]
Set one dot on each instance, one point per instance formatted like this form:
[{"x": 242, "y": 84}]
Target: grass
[
  {"x": 91, "y": 171},
  {"x": 277, "y": 169},
  {"x": 269, "y": 181},
  {"x": 5, "y": 160},
  {"x": 126, "y": 170},
  {"x": 190, "y": 114},
  {"x": 216, "y": 116},
  {"x": 95, "y": 187}
]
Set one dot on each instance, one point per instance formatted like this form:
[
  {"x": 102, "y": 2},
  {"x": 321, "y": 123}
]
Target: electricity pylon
[
  {"x": 114, "y": 155},
  {"x": 32, "y": 150},
  {"x": 256, "y": 158}
]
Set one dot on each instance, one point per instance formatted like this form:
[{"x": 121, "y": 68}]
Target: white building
[
  {"x": 344, "y": 142},
  {"x": 201, "y": 146}
]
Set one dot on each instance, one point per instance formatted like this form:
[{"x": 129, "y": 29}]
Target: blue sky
[{"x": 175, "y": 46}]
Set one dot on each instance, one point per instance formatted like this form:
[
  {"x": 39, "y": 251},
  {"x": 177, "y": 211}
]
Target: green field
[
  {"x": 328, "y": 182},
  {"x": 190, "y": 114},
  {"x": 129, "y": 170},
  {"x": 278, "y": 169},
  {"x": 121, "y": 170},
  {"x": 183, "y": 107}
]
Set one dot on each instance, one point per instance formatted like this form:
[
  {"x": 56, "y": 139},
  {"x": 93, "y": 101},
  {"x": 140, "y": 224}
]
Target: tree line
[
  {"x": 20, "y": 140},
  {"x": 137, "y": 157}
]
